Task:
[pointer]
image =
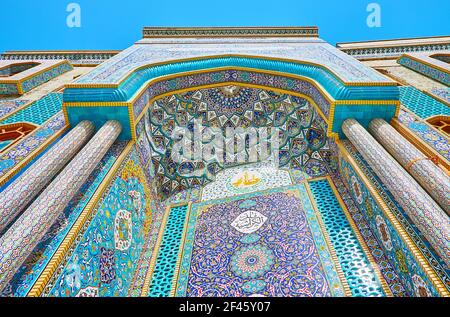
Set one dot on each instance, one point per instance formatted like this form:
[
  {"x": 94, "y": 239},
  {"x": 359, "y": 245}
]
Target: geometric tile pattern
[
  {"x": 421, "y": 208},
  {"x": 426, "y": 173},
  {"x": 422, "y": 104},
  {"x": 19, "y": 78},
  {"x": 18, "y": 194},
  {"x": 161, "y": 283},
  {"x": 310, "y": 50},
  {"x": 302, "y": 132},
  {"x": 39, "y": 111},
  {"x": 26, "y": 232},
  {"x": 357, "y": 269}
]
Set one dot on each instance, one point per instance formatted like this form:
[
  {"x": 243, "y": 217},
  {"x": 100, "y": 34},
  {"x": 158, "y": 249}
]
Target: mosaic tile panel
[
  {"x": 420, "y": 241},
  {"x": 163, "y": 274},
  {"x": 245, "y": 179},
  {"x": 235, "y": 76},
  {"x": 422, "y": 104},
  {"x": 443, "y": 93},
  {"x": 433, "y": 179},
  {"x": 111, "y": 241},
  {"x": 302, "y": 141},
  {"x": 422, "y": 64},
  {"x": 8, "y": 106},
  {"x": 20, "y": 193},
  {"x": 39, "y": 111},
  {"x": 27, "y": 78},
  {"x": 413, "y": 199},
  {"x": 143, "y": 265},
  {"x": 33, "y": 266},
  {"x": 312, "y": 50},
  {"x": 396, "y": 250},
  {"x": 357, "y": 268},
  {"x": 268, "y": 243},
  {"x": 393, "y": 280},
  {"x": 26, "y": 232}
]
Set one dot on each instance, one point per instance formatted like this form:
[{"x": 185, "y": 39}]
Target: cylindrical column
[
  {"x": 421, "y": 208},
  {"x": 433, "y": 179},
  {"x": 21, "y": 191},
  {"x": 23, "y": 236}
]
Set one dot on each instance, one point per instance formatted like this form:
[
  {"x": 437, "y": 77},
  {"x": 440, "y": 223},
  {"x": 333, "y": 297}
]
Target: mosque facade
[{"x": 227, "y": 162}]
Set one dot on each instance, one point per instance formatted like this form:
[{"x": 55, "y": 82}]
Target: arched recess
[
  {"x": 13, "y": 133},
  {"x": 442, "y": 123},
  {"x": 129, "y": 113},
  {"x": 302, "y": 142}
]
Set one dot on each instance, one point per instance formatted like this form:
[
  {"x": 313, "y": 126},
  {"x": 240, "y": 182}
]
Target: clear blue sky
[{"x": 116, "y": 24}]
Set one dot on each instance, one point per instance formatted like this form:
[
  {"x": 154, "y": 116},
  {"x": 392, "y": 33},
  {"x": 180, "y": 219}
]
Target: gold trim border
[
  {"x": 423, "y": 263},
  {"x": 422, "y": 61}
]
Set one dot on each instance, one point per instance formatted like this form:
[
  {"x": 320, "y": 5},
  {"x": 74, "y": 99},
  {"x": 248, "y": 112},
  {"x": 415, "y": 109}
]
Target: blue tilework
[
  {"x": 39, "y": 111},
  {"x": 421, "y": 104},
  {"x": 357, "y": 268},
  {"x": 166, "y": 261}
]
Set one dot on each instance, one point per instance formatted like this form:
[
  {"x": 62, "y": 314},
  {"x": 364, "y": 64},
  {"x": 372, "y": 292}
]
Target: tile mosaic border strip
[
  {"x": 362, "y": 243},
  {"x": 153, "y": 261}
]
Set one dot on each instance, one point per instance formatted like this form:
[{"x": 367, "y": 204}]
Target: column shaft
[
  {"x": 433, "y": 179},
  {"x": 21, "y": 191},
  {"x": 421, "y": 208},
  {"x": 22, "y": 237}
]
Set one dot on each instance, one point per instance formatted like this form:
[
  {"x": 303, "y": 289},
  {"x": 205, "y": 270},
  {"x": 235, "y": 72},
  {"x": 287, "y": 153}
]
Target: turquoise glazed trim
[
  {"x": 421, "y": 104},
  {"x": 363, "y": 113},
  {"x": 161, "y": 283},
  {"x": 336, "y": 88},
  {"x": 424, "y": 69},
  {"x": 357, "y": 268},
  {"x": 99, "y": 115}
]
